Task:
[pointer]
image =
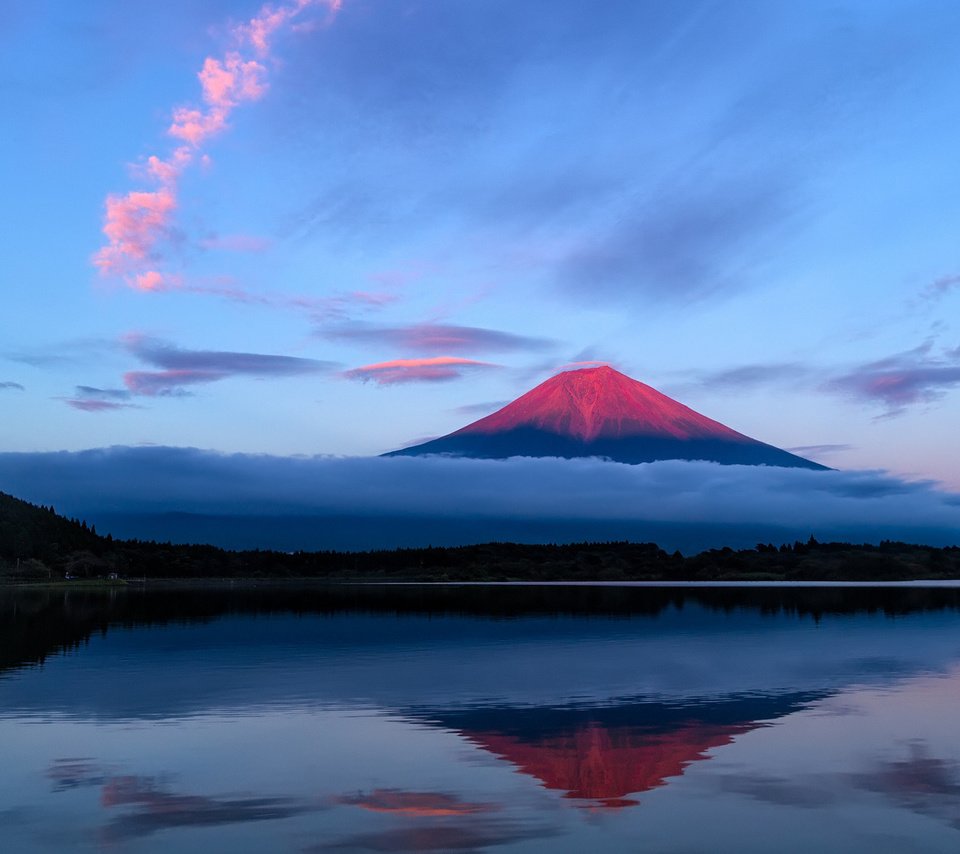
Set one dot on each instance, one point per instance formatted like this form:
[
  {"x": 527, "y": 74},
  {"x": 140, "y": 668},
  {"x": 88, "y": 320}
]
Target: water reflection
[
  {"x": 418, "y": 804},
  {"x": 156, "y": 808},
  {"x": 452, "y": 721},
  {"x": 602, "y": 754}
]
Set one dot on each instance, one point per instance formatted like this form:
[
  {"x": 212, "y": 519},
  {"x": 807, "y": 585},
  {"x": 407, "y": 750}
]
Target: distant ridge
[{"x": 600, "y": 412}]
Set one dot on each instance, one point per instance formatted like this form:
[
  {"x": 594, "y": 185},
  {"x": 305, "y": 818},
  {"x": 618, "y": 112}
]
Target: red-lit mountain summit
[{"x": 599, "y": 412}]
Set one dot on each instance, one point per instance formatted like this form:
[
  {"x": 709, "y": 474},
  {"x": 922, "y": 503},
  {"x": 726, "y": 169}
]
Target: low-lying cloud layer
[{"x": 560, "y": 499}]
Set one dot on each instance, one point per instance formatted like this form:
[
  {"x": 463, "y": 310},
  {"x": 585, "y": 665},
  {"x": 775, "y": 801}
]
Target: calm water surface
[{"x": 480, "y": 719}]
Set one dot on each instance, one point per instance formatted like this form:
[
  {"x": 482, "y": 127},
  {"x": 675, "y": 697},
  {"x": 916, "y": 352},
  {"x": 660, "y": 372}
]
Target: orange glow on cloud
[
  {"x": 415, "y": 370},
  {"x": 136, "y": 224},
  {"x": 415, "y": 804}
]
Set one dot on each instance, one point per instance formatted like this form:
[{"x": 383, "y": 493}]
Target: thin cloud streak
[
  {"x": 941, "y": 287},
  {"x": 902, "y": 380},
  {"x": 161, "y": 354},
  {"x": 434, "y": 369},
  {"x": 236, "y": 243},
  {"x": 85, "y": 404},
  {"x": 818, "y": 450},
  {"x": 94, "y": 393},
  {"x": 8, "y": 386},
  {"x": 435, "y": 338},
  {"x": 168, "y": 383},
  {"x": 182, "y": 367},
  {"x": 92, "y": 399},
  {"x": 476, "y": 409}
]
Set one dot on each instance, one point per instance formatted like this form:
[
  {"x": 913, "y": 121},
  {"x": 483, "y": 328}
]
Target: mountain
[{"x": 600, "y": 412}]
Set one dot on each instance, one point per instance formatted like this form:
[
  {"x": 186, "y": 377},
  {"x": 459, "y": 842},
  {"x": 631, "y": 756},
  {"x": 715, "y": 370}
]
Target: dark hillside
[
  {"x": 37, "y": 538},
  {"x": 36, "y": 544}
]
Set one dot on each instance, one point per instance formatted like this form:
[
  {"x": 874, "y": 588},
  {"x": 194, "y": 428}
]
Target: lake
[{"x": 480, "y": 718}]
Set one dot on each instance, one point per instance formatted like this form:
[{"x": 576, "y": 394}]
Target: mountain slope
[
  {"x": 600, "y": 412},
  {"x": 29, "y": 531}
]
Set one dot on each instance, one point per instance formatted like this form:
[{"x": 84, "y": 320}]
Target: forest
[{"x": 37, "y": 545}]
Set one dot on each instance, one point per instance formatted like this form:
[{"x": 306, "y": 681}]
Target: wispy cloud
[
  {"x": 168, "y": 383},
  {"x": 180, "y": 367},
  {"x": 902, "y": 380},
  {"x": 743, "y": 378},
  {"x": 334, "y": 307},
  {"x": 93, "y": 405},
  {"x": 435, "y": 369},
  {"x": 150, "y": 807},
  {"x": 435, "y": 338},
  {"x": 7, "y": 386},
  {"x": 473, "y": 409},
  {"x": 78, "y": 351},
  {"x": 941, "y": 287},
  {"x": 820, "y": 450},
  {"x": 236, "y": 243},
  {"x": 921, "y": 375},
  {"x": 92, "y": 399},
  {"x": 139, "y": 222},
  {"x": 415, "y": 804},
  {"x": 750, "y": 376},
  {"x": 94, "y": 393},
  {"x": 682, "y": 246}
]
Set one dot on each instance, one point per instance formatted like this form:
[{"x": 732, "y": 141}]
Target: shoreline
[{"x": 308, "y": 582}]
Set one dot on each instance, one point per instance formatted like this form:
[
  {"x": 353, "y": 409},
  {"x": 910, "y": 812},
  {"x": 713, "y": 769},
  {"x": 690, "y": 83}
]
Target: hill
[
  {"x": 34, "y": 539},
  {"x": 36, "y": 544}
]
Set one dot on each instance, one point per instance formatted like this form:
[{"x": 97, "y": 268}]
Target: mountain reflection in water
[
  {"x": 466, "y": 719},
  {"x": 604, "y": 753}
]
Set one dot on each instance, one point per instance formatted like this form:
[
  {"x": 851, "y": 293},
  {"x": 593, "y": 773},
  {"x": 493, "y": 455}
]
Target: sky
[{"x": 338, "y": 227}]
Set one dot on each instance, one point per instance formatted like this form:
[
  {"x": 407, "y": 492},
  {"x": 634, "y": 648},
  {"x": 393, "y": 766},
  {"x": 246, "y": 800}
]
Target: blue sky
[{"x": 750, "y": 206}]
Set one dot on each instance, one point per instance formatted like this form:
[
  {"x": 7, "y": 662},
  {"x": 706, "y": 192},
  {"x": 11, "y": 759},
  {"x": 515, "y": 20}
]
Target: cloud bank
[{"x": 558, "y": 500}]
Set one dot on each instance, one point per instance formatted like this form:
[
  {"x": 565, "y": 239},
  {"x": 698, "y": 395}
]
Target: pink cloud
[
  {"x": 136, "y": 224},
  {"x": 227, "y": 83},
  {"x": 168, "y": 171},
  {"x": 435, "y": 338},
  {"x": 435, "y": 369},
  {"x": 167, "y": 383},
  {"x": 917, "y": 376},
  {"x": 259, "y": 29},
  {"x": 133, "y": 225},
  {"x": 194, "y": 126}
]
